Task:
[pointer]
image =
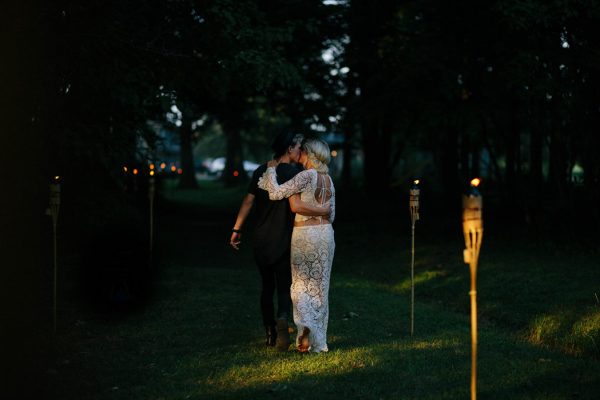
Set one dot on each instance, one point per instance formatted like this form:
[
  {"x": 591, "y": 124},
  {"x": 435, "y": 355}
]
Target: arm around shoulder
[
  {"x": 300, "y": 207},
  {"x": 295, "y": 185}
]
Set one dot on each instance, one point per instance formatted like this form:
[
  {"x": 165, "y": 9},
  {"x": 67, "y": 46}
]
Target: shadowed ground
[{"x": 199, "y": 336}]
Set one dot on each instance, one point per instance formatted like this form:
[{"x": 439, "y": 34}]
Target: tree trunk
[
  {"x": 350, "y": 127},
  {"x": 376, "y": 136},
  {"x": 186, "y": 157},
  {"x": 591, "y": 166},
  {"x": 366, "y": 30},
  {"x": 234, "y": 173},
  {"x": 475, "y": 159},
  {"x": 347, "y": 160},
  {"x": 449, "y": 165},
  {"x": 465, "y": 152},
  {"x": 536, "y": 177},
  {"x": 512, "y": 146},
  {"x": 558, "y": 168}
]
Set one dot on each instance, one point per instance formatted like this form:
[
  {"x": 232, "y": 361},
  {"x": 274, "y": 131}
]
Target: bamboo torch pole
[
  {"x": 473, "y": 232},
  {"x": 151, "y": 190},
  {"x": 414, "y": 217},
  {"x": 52, "y": 210}
]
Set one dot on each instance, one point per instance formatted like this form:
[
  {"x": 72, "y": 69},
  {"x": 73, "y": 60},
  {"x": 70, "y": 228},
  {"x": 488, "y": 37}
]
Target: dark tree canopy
[{"x": 503, "y": 89}]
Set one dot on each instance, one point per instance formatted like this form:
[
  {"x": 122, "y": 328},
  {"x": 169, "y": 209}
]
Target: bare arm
[
  {"x": 300, "y": 207},
  {"x": 245, "y": 208}
]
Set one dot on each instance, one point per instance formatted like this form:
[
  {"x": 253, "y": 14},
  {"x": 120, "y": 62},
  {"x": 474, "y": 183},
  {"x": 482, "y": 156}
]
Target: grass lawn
[{"x": 200, "y": 335}]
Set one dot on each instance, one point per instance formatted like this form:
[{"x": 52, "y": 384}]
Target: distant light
[
  {"x": 236, "y": 173},
  {"x": 333, "y": 153},
  {"x": 173, "y": 168},
  {"x": 327, "y": 55},
  {"x": 151, "y": 166},
  {"x": 151, "y": 172},
  {"x": 124, "y": 169},
  {"x": 135, "y": 171},
  {"x": 180, "y": 171},
  {"x": 57, "y": 177},
  {"x": 162, "y": 165},
  {"x": 475, "y": 182},
  {"x": 465, "y": 94},
  {"x": 417, "y": 181}
]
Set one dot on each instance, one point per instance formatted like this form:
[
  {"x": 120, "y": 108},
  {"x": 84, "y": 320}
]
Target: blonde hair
[{"x": 318, "y": 154}]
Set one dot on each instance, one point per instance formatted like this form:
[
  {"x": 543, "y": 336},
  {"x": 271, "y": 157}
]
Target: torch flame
[
  {"x": 475, "y": 182},
  {"x": 417, "y": 181}
]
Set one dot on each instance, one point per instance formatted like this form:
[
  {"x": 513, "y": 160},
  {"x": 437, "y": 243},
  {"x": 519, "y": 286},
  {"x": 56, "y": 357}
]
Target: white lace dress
[{"x": 312, "y": 252}]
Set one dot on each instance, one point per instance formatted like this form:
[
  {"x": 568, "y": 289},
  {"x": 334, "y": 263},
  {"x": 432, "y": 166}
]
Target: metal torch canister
[
  {"x": 53, "y": 209},
  {"x": 414, "y": 193}
]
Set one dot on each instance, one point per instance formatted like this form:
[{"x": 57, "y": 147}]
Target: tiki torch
[
  {"x": 473, "y": 232},
  {"x": 414, "y": 217},
  {"x": 52, "y": 211},
  {"x": 151, "y": 189}
]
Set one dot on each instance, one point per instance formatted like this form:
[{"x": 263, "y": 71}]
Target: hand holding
[{"x": 327, "y": 208}]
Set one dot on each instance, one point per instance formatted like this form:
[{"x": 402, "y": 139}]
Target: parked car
[{"x": 217, "y": 165}]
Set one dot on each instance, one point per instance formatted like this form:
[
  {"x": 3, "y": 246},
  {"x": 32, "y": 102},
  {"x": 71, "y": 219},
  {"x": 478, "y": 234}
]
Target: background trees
[{"x": 505, "y": 89}]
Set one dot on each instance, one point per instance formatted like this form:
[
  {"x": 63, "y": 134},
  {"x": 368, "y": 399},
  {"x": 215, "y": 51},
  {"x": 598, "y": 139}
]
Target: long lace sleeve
[
  {"x": 332, "y": 202},
  {"x": 295, "y": 185}
]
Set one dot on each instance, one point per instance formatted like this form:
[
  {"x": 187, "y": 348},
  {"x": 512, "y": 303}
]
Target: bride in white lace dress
[{"x": 313, "y": 243}]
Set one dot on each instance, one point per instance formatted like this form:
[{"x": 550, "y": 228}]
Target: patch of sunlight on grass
[
  {"x": 544, "y": 326},
  {"x": 561, "y": 329},
  {"x": 435, "y": 344},
  {"x": 289, "y": 366},
  {"x": 588, "y": 330},
  {"x": 419, "y": 279},
  {"x": 292, "y": 365},
  {"x": 350, "y": 283}
]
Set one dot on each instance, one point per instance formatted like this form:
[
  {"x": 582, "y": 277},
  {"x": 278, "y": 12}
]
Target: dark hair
[{"x": 284, "y": 140}]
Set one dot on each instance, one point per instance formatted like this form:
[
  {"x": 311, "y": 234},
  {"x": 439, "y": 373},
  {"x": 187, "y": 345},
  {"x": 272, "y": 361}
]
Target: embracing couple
[{"x": 294, "y": 200}]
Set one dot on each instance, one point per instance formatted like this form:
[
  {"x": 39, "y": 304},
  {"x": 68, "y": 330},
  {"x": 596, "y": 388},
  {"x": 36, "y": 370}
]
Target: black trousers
[{"x": 275, "y": 276}]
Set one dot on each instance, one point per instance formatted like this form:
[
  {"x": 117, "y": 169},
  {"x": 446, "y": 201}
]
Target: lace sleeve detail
[
  {"x": 332, "y": 202},
  {"x": 297, "y": 184}
]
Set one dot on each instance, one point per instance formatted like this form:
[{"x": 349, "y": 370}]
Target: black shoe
[
  {"x": 271, "y": 335},
  {"x": 283, "y": 335}
]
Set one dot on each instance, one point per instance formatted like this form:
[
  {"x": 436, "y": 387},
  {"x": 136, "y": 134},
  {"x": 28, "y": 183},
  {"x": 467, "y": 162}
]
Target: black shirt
[{"x": 274, "y": 219}]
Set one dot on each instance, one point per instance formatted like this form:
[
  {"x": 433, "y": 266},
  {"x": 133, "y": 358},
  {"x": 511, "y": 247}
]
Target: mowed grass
[{"x": 201, "y": 337}]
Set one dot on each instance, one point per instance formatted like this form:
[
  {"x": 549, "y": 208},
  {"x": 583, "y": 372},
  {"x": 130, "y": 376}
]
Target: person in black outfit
[{"x": 272, "y": 237}]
